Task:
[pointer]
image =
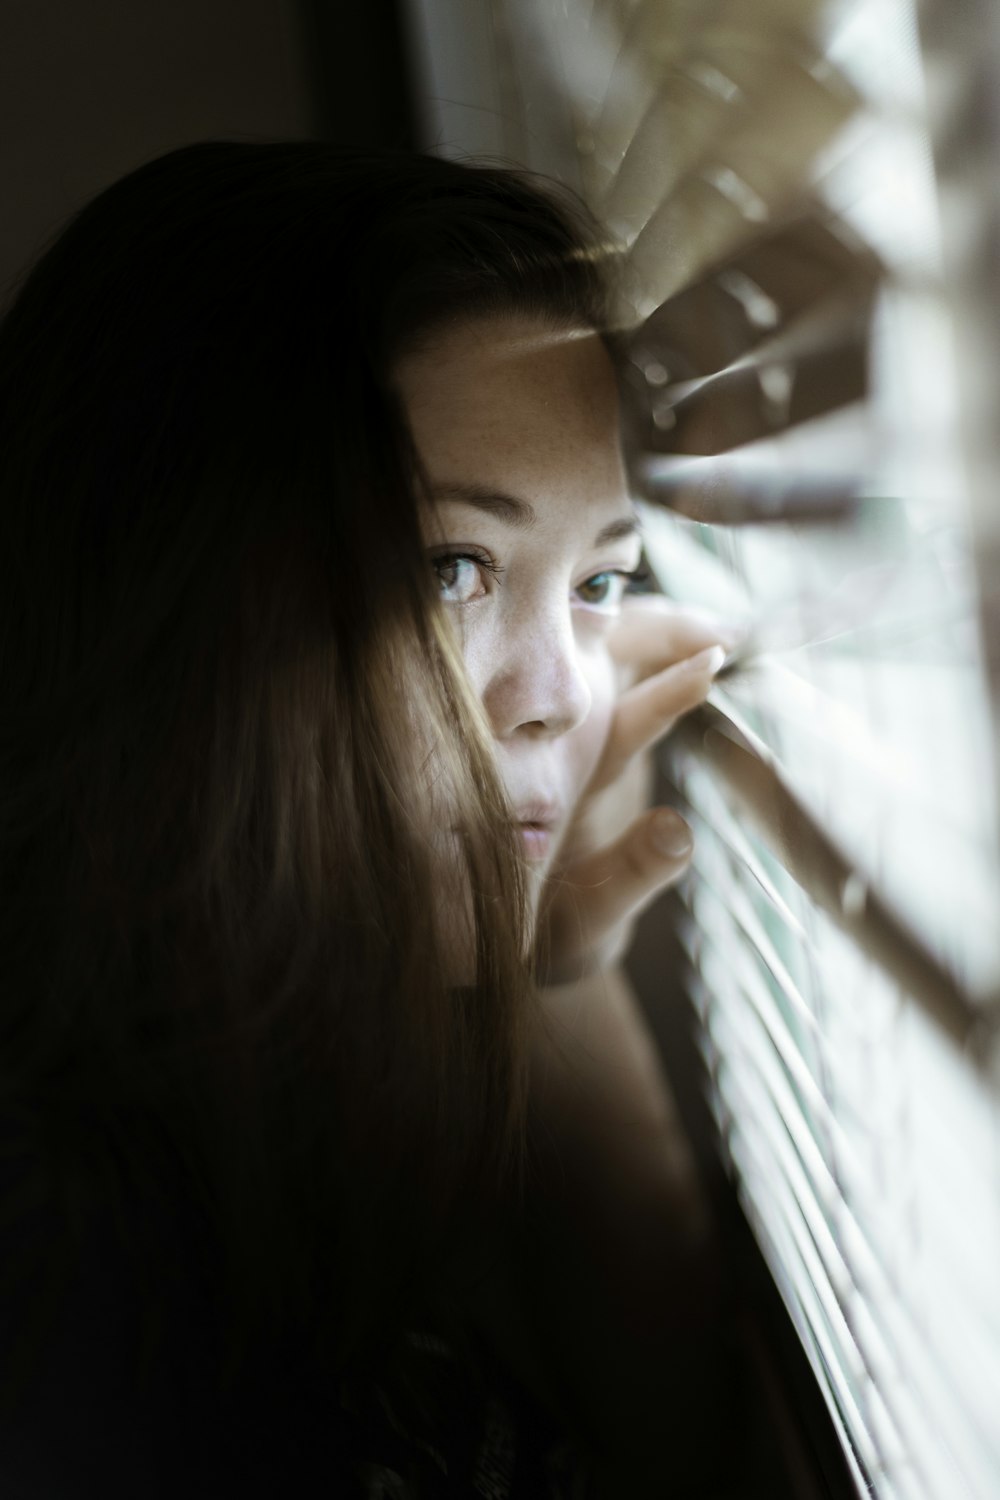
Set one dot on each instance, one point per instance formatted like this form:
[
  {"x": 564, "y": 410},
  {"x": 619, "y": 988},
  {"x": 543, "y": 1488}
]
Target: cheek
[{"x": 589, "y": 739}]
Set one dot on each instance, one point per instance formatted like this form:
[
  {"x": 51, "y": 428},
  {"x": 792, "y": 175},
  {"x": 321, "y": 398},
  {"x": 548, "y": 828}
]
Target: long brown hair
[{"x": 226, "y": 688}]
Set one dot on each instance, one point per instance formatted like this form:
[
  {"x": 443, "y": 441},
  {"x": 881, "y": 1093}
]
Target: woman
[{"x": 316, "y": 537}]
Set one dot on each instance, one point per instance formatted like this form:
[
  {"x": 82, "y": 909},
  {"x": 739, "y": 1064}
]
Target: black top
[{"x": 113, "y": 1386}]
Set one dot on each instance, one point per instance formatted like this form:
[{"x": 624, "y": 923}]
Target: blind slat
[
  {"x": 860, "y": 1453},
  {"x": 814, "y": 470},
  {"x": 899, "y": 1439},
  {"x": 830, "y": 880}
]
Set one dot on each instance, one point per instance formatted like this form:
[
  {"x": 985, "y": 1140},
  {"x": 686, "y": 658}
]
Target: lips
[
  {"x": 537, "y": 814},
  {"x": 536, "y": 822}
]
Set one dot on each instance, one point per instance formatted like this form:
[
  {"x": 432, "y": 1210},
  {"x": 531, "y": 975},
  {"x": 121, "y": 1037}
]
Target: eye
[
  {"x": 462, "y": 576},
  {"x": 604, "y": 590}
]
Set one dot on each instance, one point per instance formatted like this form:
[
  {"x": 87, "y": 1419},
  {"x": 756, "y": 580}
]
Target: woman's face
[{"x": 532, "y": 537}]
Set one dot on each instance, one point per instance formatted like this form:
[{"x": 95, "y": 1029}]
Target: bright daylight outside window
[
  {"x": 799, "y": 418},
  {"x": 862, "y": 1133}
]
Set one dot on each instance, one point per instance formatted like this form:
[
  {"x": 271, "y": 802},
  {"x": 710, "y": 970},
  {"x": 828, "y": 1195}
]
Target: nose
[{"x": 537, "y": 685}]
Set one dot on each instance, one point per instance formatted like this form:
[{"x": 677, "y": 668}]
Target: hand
[{"x": 667, "y": 658}]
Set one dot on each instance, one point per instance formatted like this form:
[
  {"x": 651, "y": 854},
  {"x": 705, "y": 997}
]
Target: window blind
[{"x": 807, "y": 193}]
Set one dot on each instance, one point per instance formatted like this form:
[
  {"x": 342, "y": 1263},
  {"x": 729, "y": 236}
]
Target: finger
[
  {"x": 649, "y": 710},
  {"x": 599, "y": 893},
  {"x": 653, "y": 631}
]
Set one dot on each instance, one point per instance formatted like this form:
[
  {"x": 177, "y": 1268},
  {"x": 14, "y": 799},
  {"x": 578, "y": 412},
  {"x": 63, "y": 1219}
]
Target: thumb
[{"x": 587, "y": 917}]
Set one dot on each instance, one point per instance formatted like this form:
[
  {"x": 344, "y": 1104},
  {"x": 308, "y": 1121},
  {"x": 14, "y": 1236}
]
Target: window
[{"x": 815, "y": 370}]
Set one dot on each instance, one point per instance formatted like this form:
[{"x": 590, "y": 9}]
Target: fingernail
[
  {"x": 670, "y": 834},
  {"x": 708, "y": 661}
]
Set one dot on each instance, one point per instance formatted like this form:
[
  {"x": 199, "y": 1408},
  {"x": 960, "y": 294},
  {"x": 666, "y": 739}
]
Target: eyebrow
[{"x": 513, "y": 511}]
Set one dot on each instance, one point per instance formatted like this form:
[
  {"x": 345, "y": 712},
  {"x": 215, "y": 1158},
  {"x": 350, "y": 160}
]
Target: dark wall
[
  {"x": 359, "y": 72},
  {"x": 89, "y": 90}
]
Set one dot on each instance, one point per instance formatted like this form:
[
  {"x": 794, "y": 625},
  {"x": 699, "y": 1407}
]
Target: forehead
[{"x": 514, "y": 405}]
